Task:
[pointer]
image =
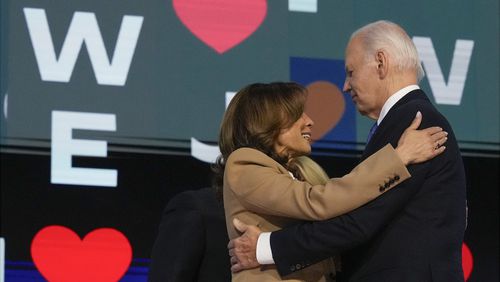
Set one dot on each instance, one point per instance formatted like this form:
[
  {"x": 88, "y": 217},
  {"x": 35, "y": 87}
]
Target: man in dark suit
[
  {"x": 411, "y": 233},
  {"x": 192, "y": 239}
]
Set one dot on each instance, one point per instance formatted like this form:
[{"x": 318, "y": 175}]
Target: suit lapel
[{"x": 381, "y": 136}]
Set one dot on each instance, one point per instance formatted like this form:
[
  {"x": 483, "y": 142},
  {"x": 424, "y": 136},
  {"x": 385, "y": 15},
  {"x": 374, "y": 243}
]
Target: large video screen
[{"x": 110, "y": 108}]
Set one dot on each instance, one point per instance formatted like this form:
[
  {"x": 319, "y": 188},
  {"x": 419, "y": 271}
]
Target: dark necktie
[{"x": 372, "y": 131}]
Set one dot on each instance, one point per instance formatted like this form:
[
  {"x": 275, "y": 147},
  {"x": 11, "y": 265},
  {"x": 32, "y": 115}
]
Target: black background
[{"x": 147, "y": 181}]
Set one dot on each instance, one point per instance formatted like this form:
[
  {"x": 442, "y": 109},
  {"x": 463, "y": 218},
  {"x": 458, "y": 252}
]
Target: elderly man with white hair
[{"x": 413, "y": 233}]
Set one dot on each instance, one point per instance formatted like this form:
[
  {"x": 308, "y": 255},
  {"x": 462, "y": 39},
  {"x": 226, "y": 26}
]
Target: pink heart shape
[
  {"x": 221, "y": 24},
  {"x": 104, "y": 254}
]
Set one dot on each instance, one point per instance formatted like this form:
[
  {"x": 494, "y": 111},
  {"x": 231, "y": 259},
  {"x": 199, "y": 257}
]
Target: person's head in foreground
[{"x": 269, "y": 117}]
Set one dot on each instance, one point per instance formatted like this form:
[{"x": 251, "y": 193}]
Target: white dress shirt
[{"x": 264, "y": 252}]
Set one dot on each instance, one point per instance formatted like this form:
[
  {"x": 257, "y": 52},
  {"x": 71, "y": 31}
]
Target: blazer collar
[{"x": 417, "y": 94}]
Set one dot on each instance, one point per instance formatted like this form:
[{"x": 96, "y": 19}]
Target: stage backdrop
[{"x": 109, "y": 108}]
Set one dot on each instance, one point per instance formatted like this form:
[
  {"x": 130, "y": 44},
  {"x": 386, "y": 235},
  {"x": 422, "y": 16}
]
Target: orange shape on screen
[{"x": 325, "y": 106}]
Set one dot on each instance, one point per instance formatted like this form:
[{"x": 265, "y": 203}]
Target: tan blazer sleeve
[{"x": 264, "y": 186}]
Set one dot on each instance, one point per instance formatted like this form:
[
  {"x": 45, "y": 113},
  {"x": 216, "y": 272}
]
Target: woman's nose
[{"x": 308, "y": 120}]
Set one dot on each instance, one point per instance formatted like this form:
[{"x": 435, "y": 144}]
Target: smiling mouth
[{"x": 306, "y": 136}]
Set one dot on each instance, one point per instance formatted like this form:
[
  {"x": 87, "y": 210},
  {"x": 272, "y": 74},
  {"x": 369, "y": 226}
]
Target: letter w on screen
[{"x": 83, "y": 29}]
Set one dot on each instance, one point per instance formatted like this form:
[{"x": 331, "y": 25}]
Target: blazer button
[
  {"x": 391, "y": 181},
  {"x": 381, "y": 188},
  {"x": 386, "y": 185},
  {"x": 396, "y": 177},
  {"x": 298, "y": 266},
  {"x": 292, "y": 268}
]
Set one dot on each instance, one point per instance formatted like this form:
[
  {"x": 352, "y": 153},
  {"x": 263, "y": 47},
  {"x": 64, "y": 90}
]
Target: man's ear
[{"x": 382, "y": 63}]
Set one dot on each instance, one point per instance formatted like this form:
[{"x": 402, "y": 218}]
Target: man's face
[{"x": 362, "y": 79}]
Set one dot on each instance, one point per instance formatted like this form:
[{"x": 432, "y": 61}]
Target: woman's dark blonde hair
[
  {"x": 255, "y": 118},
  {"x": 305, "y": 169}
]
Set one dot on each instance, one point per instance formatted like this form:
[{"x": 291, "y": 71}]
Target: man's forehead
[
  {"x": 349, "y": 53},
  {"x": 354, "y": 44},
  {"x": 353, "y": 50}
]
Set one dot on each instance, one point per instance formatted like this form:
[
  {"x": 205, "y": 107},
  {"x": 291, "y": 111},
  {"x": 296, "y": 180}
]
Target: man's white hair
[{"x": 388, "y": 36}]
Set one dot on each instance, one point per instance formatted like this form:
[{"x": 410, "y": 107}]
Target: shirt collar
[{"x": 394, "y": 99}]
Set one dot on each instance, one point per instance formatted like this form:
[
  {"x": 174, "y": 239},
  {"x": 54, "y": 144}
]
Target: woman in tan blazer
[{"x": 263, "y": 132}]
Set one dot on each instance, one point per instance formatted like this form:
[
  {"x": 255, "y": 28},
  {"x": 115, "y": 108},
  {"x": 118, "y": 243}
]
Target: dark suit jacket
[
  {"x": 411, "y": 233},
  {"x": 192, "y": 241}
]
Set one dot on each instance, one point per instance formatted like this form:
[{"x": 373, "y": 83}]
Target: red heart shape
[
  {"x": 221, "y": 24},
  {"x": 467, "y": 261},
  {"x": 104, "y": 255}
]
